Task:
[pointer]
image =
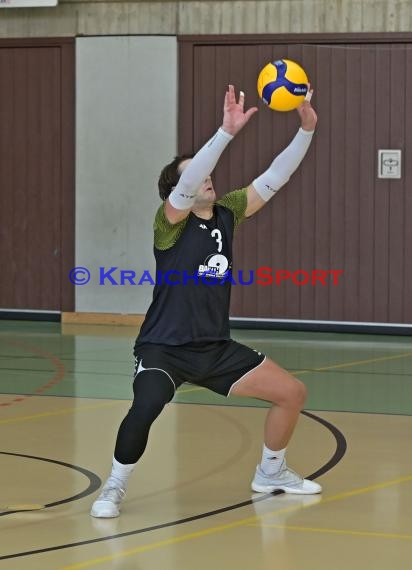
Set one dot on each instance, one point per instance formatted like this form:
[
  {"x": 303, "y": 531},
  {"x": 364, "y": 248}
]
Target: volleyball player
[{"x": 185, "y": 336}]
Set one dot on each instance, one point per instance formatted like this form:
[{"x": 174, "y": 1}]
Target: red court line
[{"x": 57, "y": 363}]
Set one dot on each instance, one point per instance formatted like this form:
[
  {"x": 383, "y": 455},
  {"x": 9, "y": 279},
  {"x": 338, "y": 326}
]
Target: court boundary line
[
  {"x": 339, "y": 453},
  {"x": 59, "y": 374},
  {"x": 249, "y": 521},
  {"x": 94, "y": 480},
  {"x": 347, "y": 532}
]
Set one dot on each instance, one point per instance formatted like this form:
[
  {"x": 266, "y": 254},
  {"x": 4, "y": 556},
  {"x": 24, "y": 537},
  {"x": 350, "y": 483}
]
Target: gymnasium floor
[{"x": 65, "y": 389}]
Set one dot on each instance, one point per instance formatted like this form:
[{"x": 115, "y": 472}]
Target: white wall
[{"x": 126, "y": 131}]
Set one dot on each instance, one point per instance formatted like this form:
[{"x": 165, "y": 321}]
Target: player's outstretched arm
[
  {"x": 267, "y": 184},
  {"x": 182, "y": 198}
]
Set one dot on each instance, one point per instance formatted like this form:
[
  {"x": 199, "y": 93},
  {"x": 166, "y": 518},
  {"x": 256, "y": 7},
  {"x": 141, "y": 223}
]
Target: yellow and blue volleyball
[{"x": 282, "y": 85}]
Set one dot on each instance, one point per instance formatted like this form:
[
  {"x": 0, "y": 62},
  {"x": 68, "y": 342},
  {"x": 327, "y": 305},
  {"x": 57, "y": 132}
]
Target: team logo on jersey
[
  {"x": 203, "y": 226},
  {"x": 215, "y": 265}
]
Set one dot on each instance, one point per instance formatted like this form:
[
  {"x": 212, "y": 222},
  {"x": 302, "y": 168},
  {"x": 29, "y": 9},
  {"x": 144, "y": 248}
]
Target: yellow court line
[
  {"x": 190, "y": 390},
  {"x": 336, "y": 531},
  {"x": 229, "y": 526},
  {"x": 170, "y": 541},
  {"x": 369, "y": 489},
  {"x": 296, "y": 372},
  {"x": 58, "y": 412},
  {"x": 354, "y": 363},
  {"x": 331, "y": 367}
]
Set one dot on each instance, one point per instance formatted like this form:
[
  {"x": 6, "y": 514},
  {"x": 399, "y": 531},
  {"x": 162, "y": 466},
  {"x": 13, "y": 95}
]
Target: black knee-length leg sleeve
[{"x": 152, "y": 390}]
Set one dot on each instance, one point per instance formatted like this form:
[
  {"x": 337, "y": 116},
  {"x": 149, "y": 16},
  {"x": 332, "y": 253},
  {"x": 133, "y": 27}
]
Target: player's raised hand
[
  {"x": 308, "y": 116},
  {"x": 234, "y": 115}
]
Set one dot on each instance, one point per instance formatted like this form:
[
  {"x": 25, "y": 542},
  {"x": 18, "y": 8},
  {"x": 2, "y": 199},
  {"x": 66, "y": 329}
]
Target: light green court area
[{"x": 343, "y": 372}]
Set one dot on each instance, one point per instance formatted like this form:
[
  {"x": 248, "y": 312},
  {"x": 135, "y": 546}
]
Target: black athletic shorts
[{"x": 213, "y": 365}]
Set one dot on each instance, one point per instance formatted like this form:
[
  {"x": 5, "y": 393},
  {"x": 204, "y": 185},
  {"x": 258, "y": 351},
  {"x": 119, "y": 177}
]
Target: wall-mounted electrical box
[{"x": 389, "y": 163}]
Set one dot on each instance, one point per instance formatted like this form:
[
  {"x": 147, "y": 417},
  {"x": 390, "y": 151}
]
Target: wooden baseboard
[{"x": 102, "y": 319}]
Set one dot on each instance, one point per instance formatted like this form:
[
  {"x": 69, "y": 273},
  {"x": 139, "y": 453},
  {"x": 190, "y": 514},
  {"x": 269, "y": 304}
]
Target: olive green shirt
[{"x": 167, "y": 234}]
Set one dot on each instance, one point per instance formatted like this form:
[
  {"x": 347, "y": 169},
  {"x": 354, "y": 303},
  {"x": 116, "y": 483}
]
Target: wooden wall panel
[
  {"x": 399, "y": 98},
  {"x": 36, "y": 174},
  {"x": 334, "y": 214},
  {"x": 407, "y": 228},
  {"x": 366, "y": 184}
]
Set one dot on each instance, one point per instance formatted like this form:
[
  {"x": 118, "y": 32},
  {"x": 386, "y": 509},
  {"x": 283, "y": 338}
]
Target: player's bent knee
[
  {"x": 301, "y": 394},
  {"x": 294, "y": 396},
  {"x": 153, "y": 389}
]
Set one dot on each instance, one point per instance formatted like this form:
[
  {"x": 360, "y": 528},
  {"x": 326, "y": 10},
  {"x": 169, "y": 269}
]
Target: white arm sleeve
[
  {"x": 284, "y": 165},
  {"x": 202, "y": 164}
]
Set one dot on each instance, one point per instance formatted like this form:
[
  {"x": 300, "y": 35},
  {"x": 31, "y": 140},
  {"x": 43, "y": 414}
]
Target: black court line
[
  {"x": 334, "y": 460},
  {"x": 266, "y": 406},
  {"x": 89, "y": 373},
  {"x": 295, "y": 371},
  {"x": 94, "y": 481}
]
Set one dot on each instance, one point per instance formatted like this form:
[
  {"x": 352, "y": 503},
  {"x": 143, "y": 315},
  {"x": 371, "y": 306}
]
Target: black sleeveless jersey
[{"x": 191, "y": 296}]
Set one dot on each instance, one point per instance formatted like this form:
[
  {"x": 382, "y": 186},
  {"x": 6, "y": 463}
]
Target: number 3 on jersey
[{"x": 217, "y": 234}]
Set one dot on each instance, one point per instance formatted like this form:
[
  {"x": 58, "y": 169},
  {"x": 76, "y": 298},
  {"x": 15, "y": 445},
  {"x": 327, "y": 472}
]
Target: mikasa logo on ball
[{"x": 299, "y": 90}]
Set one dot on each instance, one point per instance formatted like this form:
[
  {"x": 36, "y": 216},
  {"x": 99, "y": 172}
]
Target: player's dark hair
[{"x": 170, "y": 175}]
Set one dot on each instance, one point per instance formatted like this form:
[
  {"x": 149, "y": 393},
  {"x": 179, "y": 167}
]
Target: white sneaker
[
  {"x": 286, "y": 480},
  {"x": 107, "y": 504}
]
